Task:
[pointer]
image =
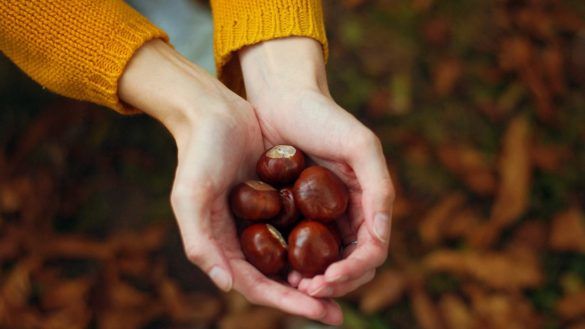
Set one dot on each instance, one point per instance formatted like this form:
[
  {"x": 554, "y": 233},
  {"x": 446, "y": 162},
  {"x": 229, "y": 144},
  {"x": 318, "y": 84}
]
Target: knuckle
[
  {"x": 190, "y": 192},
  {"x": 387, "y": 189},
  {"x": 380, "y": 256},
  {"x": 366, "y": 139},
  {"x": 194, "y": 254}
]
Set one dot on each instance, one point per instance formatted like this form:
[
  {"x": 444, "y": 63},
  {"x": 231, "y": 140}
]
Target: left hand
[{"x": 286, "y": 84}]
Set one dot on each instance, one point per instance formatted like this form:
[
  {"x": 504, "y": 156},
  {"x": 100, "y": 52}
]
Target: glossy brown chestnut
[
  {"x": 288, "y": 214},
  {"x": 280, "y": 165},
  {"x": 265, "y": 248},
  {"x": 320, "y": 194},
  {"x": 311, "y": 248},
  {"x": 254, "y": 201}
]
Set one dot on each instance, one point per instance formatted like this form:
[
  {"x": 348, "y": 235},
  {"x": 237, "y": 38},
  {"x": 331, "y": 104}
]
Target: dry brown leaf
[
  {"x": 446, "y": 74},
  {"x": 123, "y": 295},
  {"x": 431, "y": 226},
  {"x": 568, "y": 231},
  {"x": 532, "y": 234},
  {"x": 137, "y": 265},
  {"x": 151, "y": 238},
  {"x": 456, "y": 313},
  {"x": 515, "y": 53},
  {"x": 579, "y": 325},
  {"x": 469, "y": 165},
  {"x": 497, "y": 270},
  {"x": 77, "y": 246},
  {"x": 426, "y": 313},
  {"x": 14, "y": 193},
  {"x": 504, "y": 311},
  {"x": 515, "y": 174},
  {"x": 553, "y": 64},
  {"x": 384, "y": 291},
  {"x": 462, "y": 224},
  {"x": 549, "y": 157},
  {"x": 194, "y": 308},
  {"x": 16, "y": 287},
  {"x": 65, "y": 294},
  {"x": 123, "y": 318},
  {"x": 75, "y": 316},
  {"x": 437, "y": 31},
  {"x": 254, "y": 318},
  {"x": 572, "y": 306}
]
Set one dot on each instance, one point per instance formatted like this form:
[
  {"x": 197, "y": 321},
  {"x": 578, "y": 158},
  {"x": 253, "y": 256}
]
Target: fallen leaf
[
  {"x": 571, "y": 306},
  {"x": 462, "y": 224},
  {"x": 515, "y": 174},
  {"x": 446, "y": 74},
  {"x": 497, "y": 270},
  {"x": 426, "y": 313},
  {"x": 254, "y": 318},
  {"x": 497, "y": 310},
  {"x": 66, "y": 294},
  {"x": 76, "y": 246},
  {"x": 568, "y": 231},
  {"x": 469, "y": 165},
  {"x": 431, "y": 226},
  {"x": 532, "y": 234},
  {"x": 456, "y": 313},
  {"x": 194, "y": 308},
  {"x": 382, "y": 292}
]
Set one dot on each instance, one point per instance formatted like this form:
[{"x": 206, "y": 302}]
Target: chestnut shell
[
  {"x": 254, "y": 201},
  {"x": 280, "y": 165},
  {"x": 311, "y": 248},
  {"x": 264, "y": 248},
  {"x": 320, "y": 194},
  {"x": 289, "y": 213}
]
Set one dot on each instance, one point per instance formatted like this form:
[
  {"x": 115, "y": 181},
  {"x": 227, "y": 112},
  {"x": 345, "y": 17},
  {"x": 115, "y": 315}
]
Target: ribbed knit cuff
[
  {"x": 102, "y": 81},
  {"x": 78, "y": 49},
  {"x": 240, "y": 23}
]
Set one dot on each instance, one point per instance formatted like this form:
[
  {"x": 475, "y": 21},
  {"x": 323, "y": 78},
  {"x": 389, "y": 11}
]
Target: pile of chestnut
[{"x": 301, "y": 211}]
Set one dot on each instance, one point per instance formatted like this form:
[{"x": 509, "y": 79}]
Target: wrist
[
  {"x": 165, "y": 85},
  {"x": 283, "y": 65}
]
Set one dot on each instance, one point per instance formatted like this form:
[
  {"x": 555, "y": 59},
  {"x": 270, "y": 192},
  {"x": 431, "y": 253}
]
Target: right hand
[{"x": 218, "y": 140}]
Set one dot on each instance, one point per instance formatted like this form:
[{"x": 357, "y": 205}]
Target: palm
[
  {"x": 220, "y": 155},
  {"x": 330, "y": 137}
]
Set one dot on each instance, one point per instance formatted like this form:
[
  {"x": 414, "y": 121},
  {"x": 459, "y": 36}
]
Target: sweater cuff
[
  {"x": 78, "y": 49},
  {"x": 102, "y": 81},
  {"x": 246, "y": 22}
]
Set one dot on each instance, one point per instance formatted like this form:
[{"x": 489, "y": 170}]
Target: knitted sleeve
[
  {"x": 76, "y": 48},
  {"x": 239, "y": 23}
]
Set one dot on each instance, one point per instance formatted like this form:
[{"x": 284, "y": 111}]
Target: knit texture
[
  {"x": 240, "y": 23},
  {"x": 76, "y": 48}
]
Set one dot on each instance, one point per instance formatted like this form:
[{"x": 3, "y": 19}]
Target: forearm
[{"x": 78, "y": 49}]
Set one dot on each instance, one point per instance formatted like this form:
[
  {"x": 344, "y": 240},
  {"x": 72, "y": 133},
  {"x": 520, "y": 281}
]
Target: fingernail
[
  {"x": 382, "y": 226},
  {"x": 221, "y": 278},
  {"x": 323, "y": 291}
]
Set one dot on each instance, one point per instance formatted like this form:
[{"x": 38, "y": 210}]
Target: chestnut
[
  {"x": 254, "y": 200},
  {"x": 280, "y": 165},
  {"x": 311, "y": 248},
  {"x": 320, "y": 194},
  {"x": 265, "y": 248},
  {"x": 288, "y": 214}
]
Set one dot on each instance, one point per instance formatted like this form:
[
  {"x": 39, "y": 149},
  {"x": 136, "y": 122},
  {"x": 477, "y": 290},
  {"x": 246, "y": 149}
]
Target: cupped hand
[
  {"x": 218, "y": 140},
  {"x": 285, "y": 82}
]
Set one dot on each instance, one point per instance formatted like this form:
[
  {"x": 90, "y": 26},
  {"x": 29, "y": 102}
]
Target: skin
[
  {"x": 286, "y": 84},
  {"x": 219, "y": 137}
]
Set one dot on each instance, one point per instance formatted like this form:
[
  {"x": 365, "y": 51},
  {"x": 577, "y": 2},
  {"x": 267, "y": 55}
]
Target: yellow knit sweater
[{"x": 79, "y": 48}]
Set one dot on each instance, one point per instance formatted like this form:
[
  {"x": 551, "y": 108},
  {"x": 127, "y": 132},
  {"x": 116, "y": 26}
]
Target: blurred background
[{"x": 481, "y": 109}]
